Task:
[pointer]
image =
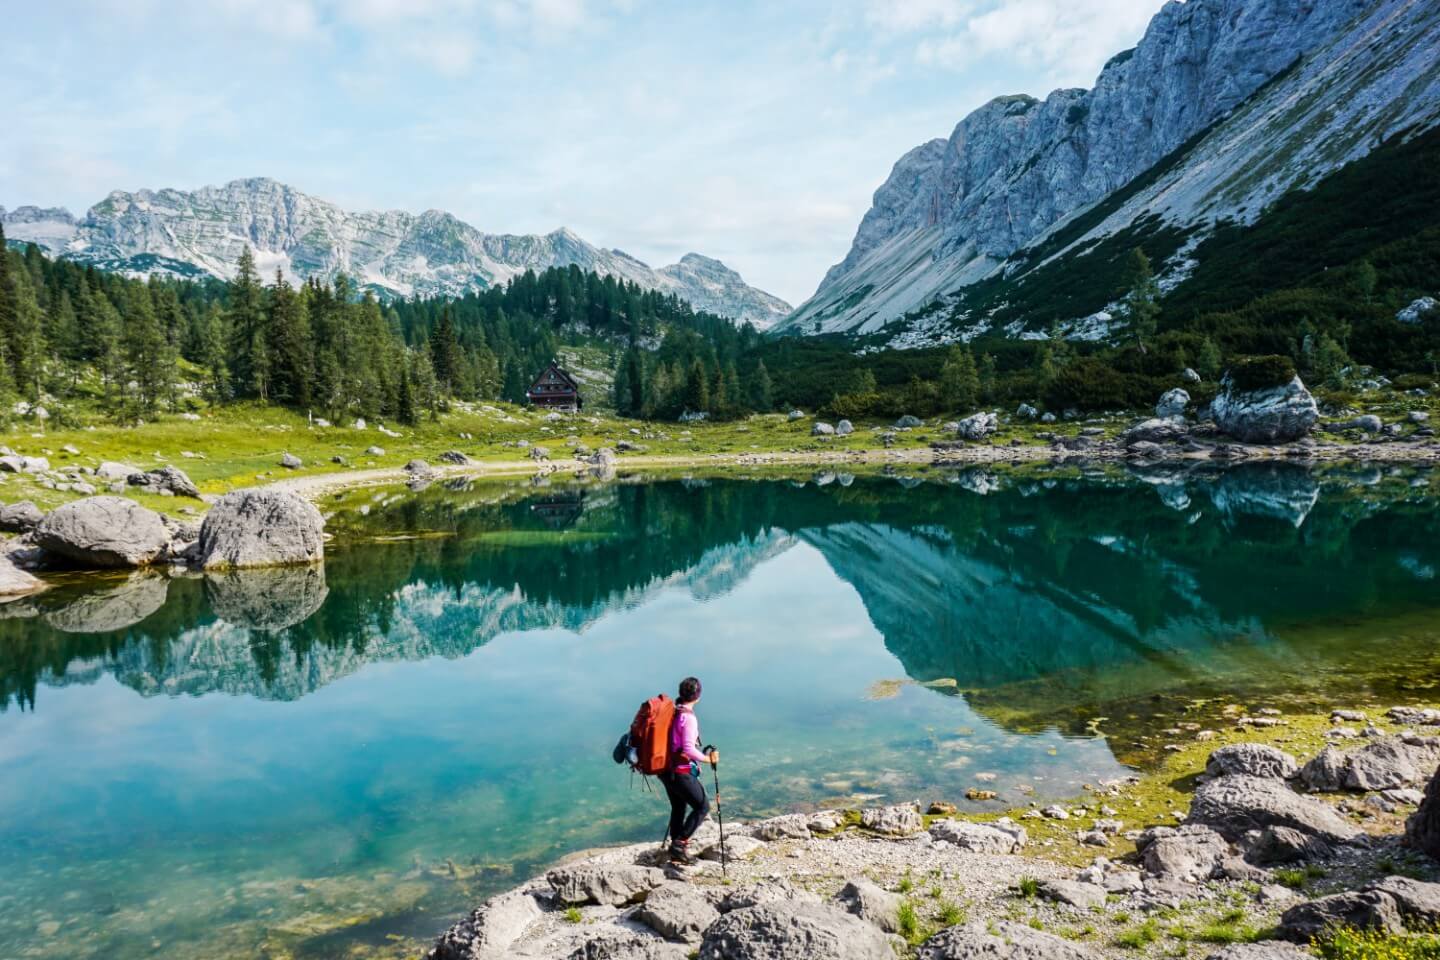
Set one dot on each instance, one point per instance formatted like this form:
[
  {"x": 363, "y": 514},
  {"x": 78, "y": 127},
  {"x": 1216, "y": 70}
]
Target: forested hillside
[{"x": 140, "y": 347}]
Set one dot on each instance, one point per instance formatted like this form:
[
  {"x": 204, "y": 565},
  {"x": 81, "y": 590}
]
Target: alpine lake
[{"x": 339, "y": 761}]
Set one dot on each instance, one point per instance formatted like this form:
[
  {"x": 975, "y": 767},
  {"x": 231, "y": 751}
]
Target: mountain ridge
[
  {"x": 1243, "y": 79},
  {"x": 393, "y": 252}
]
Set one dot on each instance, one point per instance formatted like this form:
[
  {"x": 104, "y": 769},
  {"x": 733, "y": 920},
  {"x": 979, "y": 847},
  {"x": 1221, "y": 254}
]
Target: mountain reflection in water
[{"x": 980, "y": 577}]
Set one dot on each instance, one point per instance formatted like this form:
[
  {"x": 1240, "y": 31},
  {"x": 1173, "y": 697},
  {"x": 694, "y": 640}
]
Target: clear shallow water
[{"x": 308, "y": 763}]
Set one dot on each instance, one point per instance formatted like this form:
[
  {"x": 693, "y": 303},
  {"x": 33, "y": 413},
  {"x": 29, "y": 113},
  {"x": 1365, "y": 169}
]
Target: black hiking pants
[{"x": 686, "y": 792}]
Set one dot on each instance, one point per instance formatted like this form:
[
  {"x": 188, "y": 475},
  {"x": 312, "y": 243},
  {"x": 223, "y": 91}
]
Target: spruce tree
[
  {"x": 1142, "y": 307},
  {"x": 760, "y": 389},
  {"x": 697, "y": 388},
  {"x": 445, "y": 352},
  {"x": 249, "y": 364},
  {"x": 959, "y": 380}
]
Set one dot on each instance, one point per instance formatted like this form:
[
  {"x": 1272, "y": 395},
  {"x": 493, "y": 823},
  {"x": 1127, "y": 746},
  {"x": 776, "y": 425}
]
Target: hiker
[{"x": 682, "y": 780}]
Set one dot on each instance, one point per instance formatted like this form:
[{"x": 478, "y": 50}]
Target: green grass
[
  {"x": 572, "y": 915},
  {"x": 950, "y": 914},
  {"x": 1138, "y": 936},
  {"x": 1297, "y": 877},
  {"x": 907, "y": 923},
  {"x": 1029, "y": 887},
  {"x": 906, "y": 884}
]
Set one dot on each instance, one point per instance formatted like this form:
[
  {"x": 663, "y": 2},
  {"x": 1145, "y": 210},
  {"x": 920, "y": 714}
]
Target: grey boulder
[
  {"x": 871, "y": 903},
  {"x": 820, "y": 429},
  {"x": 1366, "y": 909},
  {"x": 104, "y": 532},
  {"x": 787, "y": 930},
  {"x": 908, "y": 421},
  {"x": 677, "y": 911},
  {"x": 1251, "y": 759},
  {"x": 261, "y": 528},
  {"x": 291, "y": 462},
  {"x": 1156, "y": 430},
  {"x": 171, "y": 480},
  {"x": 612, "y": 886},
  {"x": 1391, "y": 762},
  {"x": 21, "y": 517},
  {"x": 1326, "y": 771},
  {"x": 1172, "y": 403},
  {"x": 898, "y": 820},
  {"x": 1277, "y": 845},
  {"x": 1000, "y": 940},
  {"x": 489, "y": 930},
  {"x": 1192, "y": 854},
  {"x": 977, "y": 426},
  {"x": 1271, "y": 415},
  {"x": 1234, "y": 805},
  {"x": 844, "y": 428},
  {"x": 978, "y": 837},
  {"x": 1074, "y": 893}
]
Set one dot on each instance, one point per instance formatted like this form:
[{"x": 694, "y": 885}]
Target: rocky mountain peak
[
  {"x": 953, "y": 210},
  {"x": 391, "y": 252}
]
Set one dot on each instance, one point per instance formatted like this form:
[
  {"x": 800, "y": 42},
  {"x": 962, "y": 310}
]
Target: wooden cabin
[{"x": 555, "y": 389}]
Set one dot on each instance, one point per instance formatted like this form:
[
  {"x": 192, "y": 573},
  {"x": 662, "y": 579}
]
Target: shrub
[
  {"x": 950, "y": 914},
  {"x": 572, "y": 915},
  {"x": 1261, "y": 373},
  {"x": 1029, "y": 887},
  {"x": 1347, "y": 943}
]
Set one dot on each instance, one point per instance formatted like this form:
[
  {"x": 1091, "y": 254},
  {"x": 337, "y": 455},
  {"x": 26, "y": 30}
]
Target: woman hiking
[{"x": 682, "y": 781}]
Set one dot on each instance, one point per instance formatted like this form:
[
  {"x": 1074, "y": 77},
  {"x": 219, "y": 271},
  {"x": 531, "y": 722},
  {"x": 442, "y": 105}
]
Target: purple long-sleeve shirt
[{"x": 685, "y": 738}]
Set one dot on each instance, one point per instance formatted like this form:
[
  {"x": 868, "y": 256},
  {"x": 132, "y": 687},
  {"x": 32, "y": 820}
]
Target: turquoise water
[{"x": 337, "y": 762}]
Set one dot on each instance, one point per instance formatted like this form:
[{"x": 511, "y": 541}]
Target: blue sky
[{"x": 750, "y": 131}]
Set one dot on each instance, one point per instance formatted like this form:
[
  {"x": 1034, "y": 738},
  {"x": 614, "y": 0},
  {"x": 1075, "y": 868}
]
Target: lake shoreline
[
  {"x": 1074, "y": 881},
  {"x": 312, "y": 486}
]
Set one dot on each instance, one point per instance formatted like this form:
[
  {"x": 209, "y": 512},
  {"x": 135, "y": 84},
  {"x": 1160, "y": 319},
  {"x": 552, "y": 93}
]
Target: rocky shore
[{"x": 1274, "y": 855}]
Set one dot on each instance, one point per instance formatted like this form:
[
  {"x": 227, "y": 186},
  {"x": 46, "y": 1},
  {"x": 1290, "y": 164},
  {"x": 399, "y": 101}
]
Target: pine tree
[
  {"x": 26, "y": 344},
  {"x": 760, "y": 389},
  {"x": 959, "y": 380},
  {"x": 7, "y": 292},
  {"x": 1142, "y": 307},
  {"x": 1207, "y": 364},
  {"x": 987, "y": 376},
  {"x": 212, "y": 349},
  {"x": 288, "y": 349},
  {"x": 697, "y": 389},
  {"x": 65, "y": 337},
  {"x": 445, "y": 352},
  {"x": 249, "y": 362},
  {"x": 149, "y": 363},
  {"x": 405, "y": 404}
]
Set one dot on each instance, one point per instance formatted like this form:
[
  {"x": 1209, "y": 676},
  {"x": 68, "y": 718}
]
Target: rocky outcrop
[
  {"x": 1234, "y": 805},
  {"x": 261, "y": 528},
  {"x": 1277, "y": 414},
  {"x": 952, "y": 211},
  {"x": 785, "y": 930},
  {"x": 1191, "y": 853},
  {"x": 104, "y": 532}
]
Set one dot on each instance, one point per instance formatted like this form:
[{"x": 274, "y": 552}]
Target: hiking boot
[{"x": 680, "y": 853}]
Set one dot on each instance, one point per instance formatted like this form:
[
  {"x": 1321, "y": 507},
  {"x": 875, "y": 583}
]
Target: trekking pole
[{"x": 719, "y": 815}]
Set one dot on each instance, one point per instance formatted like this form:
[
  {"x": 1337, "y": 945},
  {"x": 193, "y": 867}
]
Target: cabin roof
[{"x": 559, "y": 371}]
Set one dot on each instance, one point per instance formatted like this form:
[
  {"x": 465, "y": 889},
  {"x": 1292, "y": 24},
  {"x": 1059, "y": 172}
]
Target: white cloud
[
  {"x": 1066, "y": 39},
  {"x": 904, "y": 16}
]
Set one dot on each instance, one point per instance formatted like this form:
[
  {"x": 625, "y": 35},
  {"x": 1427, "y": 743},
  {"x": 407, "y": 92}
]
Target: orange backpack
[{"x": 650, "y": 734}]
